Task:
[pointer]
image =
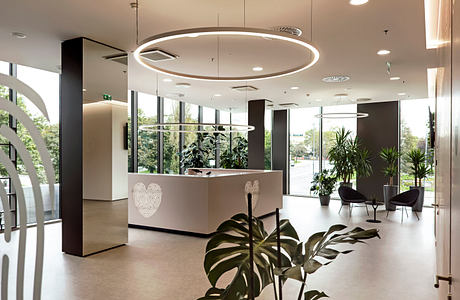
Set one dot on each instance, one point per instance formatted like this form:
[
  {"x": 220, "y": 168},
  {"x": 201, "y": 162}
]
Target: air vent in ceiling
[
  {"x": 157, "y": 55},
  {"x": 119, "y": 58},
  {"x": 245, "y": 88},
  {"x": 363, "y": 99},
  {"x": 288, "y": 105},
  {"x": 289, "y": 30}
]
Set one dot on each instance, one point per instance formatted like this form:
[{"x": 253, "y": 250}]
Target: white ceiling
[{"x": 347, "y": 37}]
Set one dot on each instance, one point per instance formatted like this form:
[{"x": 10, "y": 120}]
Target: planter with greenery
[
  {"x": 349, "y": 157},
  {"x": 227, "y": 253},
  {"x": 420, "y": 170},
  {"x": 323, "y": 185},
  {"x": 237, "y": 158},
  {"x": 196, "y": 155},
  {"x": 391, "y": 157}
]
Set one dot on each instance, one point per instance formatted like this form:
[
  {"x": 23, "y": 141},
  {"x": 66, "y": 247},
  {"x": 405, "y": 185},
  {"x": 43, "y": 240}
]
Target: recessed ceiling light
[
  {"x": 395, "y": 78},
  {"x": 336, "y": 78},
  {"x": 19, "y": 35},
  {"x": 383, "y": 52},
  {"x": 183, "y": 85},
  {"x": 358, "y": 2},
  {"x": 167, "y": 80},
  {"x": 257, "y": 69},
  {"x": 84, "y": 90},
  {"x": 318, "y": 100},
  {"x": 401, "y": 94},
  {"x": 217, "y": 95},
  {"x": 341, "y": 95},
  {"x": 294, "y": 88}
]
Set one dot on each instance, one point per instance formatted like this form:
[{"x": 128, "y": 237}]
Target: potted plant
[
  {"x": 420, "y": 171},
  {"x": 349, "y": 157},
  {"x": 323, "y": 185},
  {"x": 390, "y": 156}
]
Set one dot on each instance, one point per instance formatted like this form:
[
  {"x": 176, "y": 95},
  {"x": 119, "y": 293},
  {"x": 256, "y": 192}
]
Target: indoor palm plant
[
  {"x": 391, "y": 157},
  {"x": 227, "y": 253},
  {"x": 349, "y": 157},
  {"x": 323, "y": 185},
  {"x": 420, "y": 170}
]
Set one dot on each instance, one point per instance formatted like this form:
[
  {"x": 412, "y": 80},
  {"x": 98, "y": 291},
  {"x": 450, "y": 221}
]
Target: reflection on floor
[{"x": 166, "y": 266}]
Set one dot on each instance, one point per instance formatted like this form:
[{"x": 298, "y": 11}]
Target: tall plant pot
[
  {"x": 348, "y": 184},
  {"x": 389, "y": 191},
  {"x": 324, "y": 200},
  {"x": 421, "y": 198}
]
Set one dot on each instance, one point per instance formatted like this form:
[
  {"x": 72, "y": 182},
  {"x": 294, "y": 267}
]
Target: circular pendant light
[
  {"x": 226, "y": 31},
  {"x": 213, "y": 128},
  {"x": 344, "y": 115}
]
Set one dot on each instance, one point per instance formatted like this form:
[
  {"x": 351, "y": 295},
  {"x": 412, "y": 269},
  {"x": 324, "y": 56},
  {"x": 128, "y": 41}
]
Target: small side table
[{"x": 375, "y": 204}]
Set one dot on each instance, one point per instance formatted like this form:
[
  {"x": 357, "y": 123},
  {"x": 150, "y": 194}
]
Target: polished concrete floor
[{"x": 156, "y": 265}]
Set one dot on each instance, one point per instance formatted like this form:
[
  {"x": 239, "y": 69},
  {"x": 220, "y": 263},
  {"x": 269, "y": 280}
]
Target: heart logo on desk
[
  {"x": 252, "y": 188},
  {"x": 147, "y": 201}
]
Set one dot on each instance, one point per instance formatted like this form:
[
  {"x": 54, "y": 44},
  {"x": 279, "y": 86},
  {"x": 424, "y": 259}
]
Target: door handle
[
  {"x": 435, "y": 205},
  {"x": 442, "y": 278}
]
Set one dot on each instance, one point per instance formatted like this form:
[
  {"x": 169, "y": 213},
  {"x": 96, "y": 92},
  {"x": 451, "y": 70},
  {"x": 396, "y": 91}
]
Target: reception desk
[{"x": 198, "y": 203}]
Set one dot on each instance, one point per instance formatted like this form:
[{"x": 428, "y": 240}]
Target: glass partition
[
  {"x": 171, "y": 139},
  {"x": 414, "y": 134},
  {"x": 304, "y": 149},
  {"x": 147, "y": 143},
  {"x": 268, "y": 139}
]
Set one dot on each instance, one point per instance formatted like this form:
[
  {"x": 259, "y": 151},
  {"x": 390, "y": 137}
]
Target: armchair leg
[
  {"x": 388, "y": 213},
  {"x": 402, "y": 214},
  {"x": 416, "y": 214},
  {"x": 367, "y": 210},
  {"x": 405, "y": 208},
  {"x": 340, "y": 208}
]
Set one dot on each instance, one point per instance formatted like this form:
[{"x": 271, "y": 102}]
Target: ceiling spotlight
[
  {"x": 340, "y": 96},
  {"x": 358, "y": 2},
  {"x": 383, "y": 52},
  {"x": 318, "y": 100},
  {"x": 84, "y": 90},
  {"x": 183, "y": 85},
  {"x": 167, "y": 80},
  {"x": 19, "y": 35},
  {"x": 336, "y": 78},
  {"x": 294, "y": 88},
  {"x": 395, "y": 78},
  {"x": 401, "y": 94},
  {"x": 257, "y": 69},
  {"x": 217, "y": 95}
]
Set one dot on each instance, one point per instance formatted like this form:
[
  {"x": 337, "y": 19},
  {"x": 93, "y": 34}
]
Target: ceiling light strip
[
  {"x": 225, "y": 31},
  {"x": 200, "y": 128}
]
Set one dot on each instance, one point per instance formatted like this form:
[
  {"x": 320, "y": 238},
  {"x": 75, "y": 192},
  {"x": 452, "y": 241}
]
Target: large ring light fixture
[
  {"x": 225, "y": 31},
  {"x": 179, "y": 127},
  {"x": 343, "y": 115}
]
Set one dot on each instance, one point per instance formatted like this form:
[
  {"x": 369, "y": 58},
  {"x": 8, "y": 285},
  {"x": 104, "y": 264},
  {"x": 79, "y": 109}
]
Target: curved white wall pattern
[
  {"x": 10, "y": 135},
  {"x": 147, "y": 201},
  {"x": 253, "y": 188}
]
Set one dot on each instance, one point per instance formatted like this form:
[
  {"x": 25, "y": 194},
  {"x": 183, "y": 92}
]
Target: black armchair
[
  {"x": 350, "y": 196},
  {"x": 406, "y": 199}
]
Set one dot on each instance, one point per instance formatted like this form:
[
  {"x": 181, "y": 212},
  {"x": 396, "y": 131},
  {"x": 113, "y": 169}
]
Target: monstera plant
[{"x": 228, "y": 250}]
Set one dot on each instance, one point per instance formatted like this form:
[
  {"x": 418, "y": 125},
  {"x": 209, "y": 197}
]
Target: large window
[
  {"x": 171, "y": 139},
  {"x": 414, "y": 134},
  {"x": 304, "y": 149},
  {"x": 268, "y": 139},
  {"x": 209, "y": 116},
  {"x": 147, "y": 143}
]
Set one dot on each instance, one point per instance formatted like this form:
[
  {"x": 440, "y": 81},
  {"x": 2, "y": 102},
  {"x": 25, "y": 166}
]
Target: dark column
[
  {"x": 181, "y": 134},
  {"x": 280, "y": 145},
  {"x": 70, "y": 146},
  {"x": 217, "y": 154},
  {"x": 160, "y": 136},
  {"x": 256, "y": 138},
  {"x": 379, "y": 130},
  {"x": 134, "y": 128}
]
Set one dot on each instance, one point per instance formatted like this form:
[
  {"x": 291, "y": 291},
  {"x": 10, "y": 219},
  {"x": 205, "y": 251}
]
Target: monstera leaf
[
  {"x": 318, "y": 251},
  {"x": 228, "y": 249}
]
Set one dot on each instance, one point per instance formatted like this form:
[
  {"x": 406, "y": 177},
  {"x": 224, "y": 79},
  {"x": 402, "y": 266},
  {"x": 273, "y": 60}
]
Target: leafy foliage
[
  {"x": 236, "y": 158},
  {"x": 235, "y": 232},
  {"x": 228, "y": 250},
  {"x": 419, "y": 169},
  {"x": 349, "y": 157},
  {"x": 390, "y": 156},
  {"x": 323, "y": 183},
  {"x": 198, "y": 153}
]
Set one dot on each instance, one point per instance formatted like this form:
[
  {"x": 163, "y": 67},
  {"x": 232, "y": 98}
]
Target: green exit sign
[{"x": 107, "y": 97}]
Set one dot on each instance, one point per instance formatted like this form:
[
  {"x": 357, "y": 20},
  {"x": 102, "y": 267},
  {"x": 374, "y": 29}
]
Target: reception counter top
[{"x": 198, "y": 203}]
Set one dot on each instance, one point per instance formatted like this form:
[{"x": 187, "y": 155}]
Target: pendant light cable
[{"x": 135, "y": 5}]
